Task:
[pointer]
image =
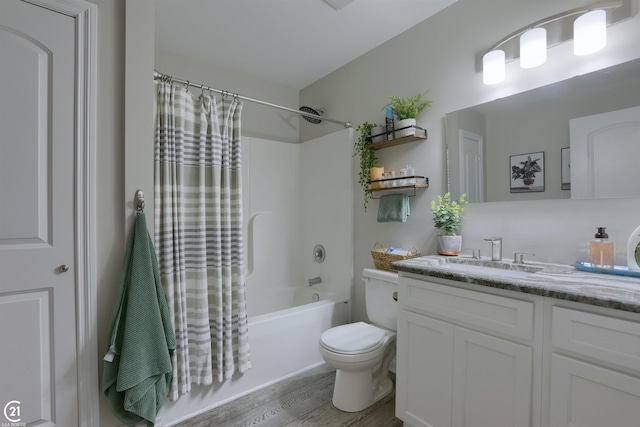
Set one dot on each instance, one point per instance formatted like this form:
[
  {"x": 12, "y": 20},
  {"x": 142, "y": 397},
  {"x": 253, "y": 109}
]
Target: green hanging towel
[
  {"x": 394, "y": 207},
  {"x": 137, "y": 368}
]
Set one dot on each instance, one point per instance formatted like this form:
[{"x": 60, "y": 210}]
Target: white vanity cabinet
[
  {"x": 473, "y": 355},
  {"x": 465, "y": 357},
  {"x": 593, "y": 366}
]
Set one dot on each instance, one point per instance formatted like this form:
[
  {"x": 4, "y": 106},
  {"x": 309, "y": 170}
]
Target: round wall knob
[
  {"x": 63, "y": 268},
  {"x": 318, "y": 253}
]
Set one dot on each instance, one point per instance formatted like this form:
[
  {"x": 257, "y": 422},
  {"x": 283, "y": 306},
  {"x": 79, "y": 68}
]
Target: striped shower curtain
[{"x": 198, "y": 233}]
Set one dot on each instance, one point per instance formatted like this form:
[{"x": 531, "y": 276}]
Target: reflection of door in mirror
[
  {"x": 605, "y": 149},
  {"x": 471, "y": 166}
]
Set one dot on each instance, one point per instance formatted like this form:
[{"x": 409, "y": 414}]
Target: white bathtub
[
  {"x": 283, "y": 343},
  {"x": 281, "y": 299}
]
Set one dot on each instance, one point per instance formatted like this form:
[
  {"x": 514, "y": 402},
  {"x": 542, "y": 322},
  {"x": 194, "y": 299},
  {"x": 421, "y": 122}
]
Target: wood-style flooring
[{"x": 303, "y": 400}]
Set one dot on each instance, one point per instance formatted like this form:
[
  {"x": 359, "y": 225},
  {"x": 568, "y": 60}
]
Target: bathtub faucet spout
[{"x": 314, "y": 281}]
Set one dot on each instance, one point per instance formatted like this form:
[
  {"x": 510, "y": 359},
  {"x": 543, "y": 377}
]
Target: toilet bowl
[{"x": 361, "y": 352}]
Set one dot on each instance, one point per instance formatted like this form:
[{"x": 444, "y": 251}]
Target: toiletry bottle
[
  {"x": 602, "y": 250},
  {"x": 633, "y": 250},
  {"x": 389, "y": 123}
]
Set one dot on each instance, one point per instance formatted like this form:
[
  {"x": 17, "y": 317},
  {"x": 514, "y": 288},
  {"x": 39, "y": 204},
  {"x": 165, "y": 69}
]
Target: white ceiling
[{"x": 289, "y": 42}]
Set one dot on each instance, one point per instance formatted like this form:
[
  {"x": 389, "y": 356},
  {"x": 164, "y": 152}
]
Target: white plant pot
[
  {"x": 449, "y": 245},
  {"x": 405, "y": 123},
  {"x": 378, "y": 134}
]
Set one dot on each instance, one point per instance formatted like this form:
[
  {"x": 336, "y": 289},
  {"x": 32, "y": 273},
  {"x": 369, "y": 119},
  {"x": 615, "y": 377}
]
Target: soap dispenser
[{"x": 602, "y": 250}]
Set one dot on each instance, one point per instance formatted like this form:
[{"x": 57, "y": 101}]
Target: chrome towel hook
[{"x": 138, "y": 201}]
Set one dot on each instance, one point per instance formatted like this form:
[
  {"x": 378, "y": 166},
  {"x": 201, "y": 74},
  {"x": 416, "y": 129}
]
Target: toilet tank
[{"x": 380, "y": 286}]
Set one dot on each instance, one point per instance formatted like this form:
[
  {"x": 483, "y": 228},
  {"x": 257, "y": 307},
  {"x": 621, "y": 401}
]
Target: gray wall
[
  {"x": 110, "y": 170},
  {"x": 442, "y": 55}
]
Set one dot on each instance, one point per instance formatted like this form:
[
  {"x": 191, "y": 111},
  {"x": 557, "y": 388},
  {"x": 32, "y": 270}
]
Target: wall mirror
[{"x": 584, "y": 133}]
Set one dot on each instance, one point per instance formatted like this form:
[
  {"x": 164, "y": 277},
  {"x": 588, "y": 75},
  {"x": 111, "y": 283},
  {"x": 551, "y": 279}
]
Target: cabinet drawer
[
  {"x": 604, "y": 338},
  {"x": 477, "y": 309}
]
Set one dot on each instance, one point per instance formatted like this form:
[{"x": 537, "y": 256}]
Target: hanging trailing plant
[{"x": 367, "y": 156}]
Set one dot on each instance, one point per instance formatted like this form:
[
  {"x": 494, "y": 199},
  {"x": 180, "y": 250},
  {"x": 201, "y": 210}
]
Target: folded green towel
[
  {"x": 394, "y": 207},
  {"x": 137, "y": 370}
]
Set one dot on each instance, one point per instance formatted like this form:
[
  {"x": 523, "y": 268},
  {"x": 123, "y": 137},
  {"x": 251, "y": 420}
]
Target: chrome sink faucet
[{"x": 496, "y": 247}]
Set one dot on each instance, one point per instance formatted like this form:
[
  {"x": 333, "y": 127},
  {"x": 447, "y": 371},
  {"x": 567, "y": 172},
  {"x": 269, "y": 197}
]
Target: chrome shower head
[{"x": 310, "y": 110}]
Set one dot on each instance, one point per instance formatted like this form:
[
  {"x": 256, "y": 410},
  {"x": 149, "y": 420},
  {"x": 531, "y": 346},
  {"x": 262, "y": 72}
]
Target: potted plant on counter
[
  {"x": 406, "y": 110},
  {"x": 368, "y": 159},
  {"x": 448, "y": 218}
]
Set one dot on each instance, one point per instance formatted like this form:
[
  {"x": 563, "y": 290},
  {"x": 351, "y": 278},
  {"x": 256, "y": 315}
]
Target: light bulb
[
  {"x": 493, "y": 67},
  {"x": 590, "y": 32},
  {"x": 533, "y": 48}
]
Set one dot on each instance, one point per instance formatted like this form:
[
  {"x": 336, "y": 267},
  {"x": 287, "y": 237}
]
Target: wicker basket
[{"x": 382, "y": 260}]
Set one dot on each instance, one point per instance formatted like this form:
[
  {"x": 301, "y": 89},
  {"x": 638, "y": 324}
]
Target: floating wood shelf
[
  {"x": 420, "y": 135},
  {"x": 424, "y": 183}
]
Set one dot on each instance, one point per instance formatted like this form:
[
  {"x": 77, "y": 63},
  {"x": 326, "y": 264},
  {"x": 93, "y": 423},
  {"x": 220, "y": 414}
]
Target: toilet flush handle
[{"x": 395, "y": 296}]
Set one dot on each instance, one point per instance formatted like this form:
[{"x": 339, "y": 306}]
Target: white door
[
  {"x": 471, "y": 166},
  {"x": 38, "y": 366},
  {"x": 604, "y": 152}
]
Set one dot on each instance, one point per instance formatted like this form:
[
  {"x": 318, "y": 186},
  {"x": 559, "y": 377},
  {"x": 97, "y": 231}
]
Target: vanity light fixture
[
  {"x": 590, "y": 32},
  {"x": 533, "y": 48},
  {"x": 589, "y": 36}
]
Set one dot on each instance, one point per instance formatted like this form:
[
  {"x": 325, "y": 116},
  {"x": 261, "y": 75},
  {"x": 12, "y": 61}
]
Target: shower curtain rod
[{"x": 160, "y": 76}]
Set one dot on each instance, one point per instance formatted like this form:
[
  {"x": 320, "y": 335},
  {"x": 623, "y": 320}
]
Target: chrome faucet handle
[
  {"x": 518, "y": 257},
  {"x": 475, "y": 253}
]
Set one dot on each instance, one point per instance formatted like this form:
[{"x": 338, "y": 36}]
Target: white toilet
[{"x": 361, "y": 352}]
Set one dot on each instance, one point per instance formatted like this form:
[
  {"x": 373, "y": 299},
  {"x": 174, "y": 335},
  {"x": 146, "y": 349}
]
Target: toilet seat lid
[{"x": 353, "y": 338}]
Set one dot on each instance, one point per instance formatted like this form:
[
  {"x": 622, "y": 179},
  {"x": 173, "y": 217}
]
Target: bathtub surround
[{"x": 199, "y": 234}]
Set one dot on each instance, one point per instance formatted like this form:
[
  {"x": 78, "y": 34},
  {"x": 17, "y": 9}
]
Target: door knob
[{"x": 63, "y": 268}]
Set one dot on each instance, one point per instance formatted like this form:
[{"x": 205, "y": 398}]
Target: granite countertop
[{"x": 545, "y": 279}]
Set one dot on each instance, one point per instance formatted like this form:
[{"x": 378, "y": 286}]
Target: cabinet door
[
  {"x": 424, "y": 370},
  {"x": 586, "y": 395},
  {"x": 492, "y": 382}
]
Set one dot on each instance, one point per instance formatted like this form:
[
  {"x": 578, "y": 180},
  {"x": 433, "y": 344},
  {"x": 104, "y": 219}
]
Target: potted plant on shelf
[
  {"x": 368, "y": 159},
  {"x": 526, "y": 172},
  {"x": 448, "y": 218},
  {"x": 406, "y": 111}
]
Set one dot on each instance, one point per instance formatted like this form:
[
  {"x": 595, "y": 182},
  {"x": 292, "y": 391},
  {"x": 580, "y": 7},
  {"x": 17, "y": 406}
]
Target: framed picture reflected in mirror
[{"x": 527, "y": 172}]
